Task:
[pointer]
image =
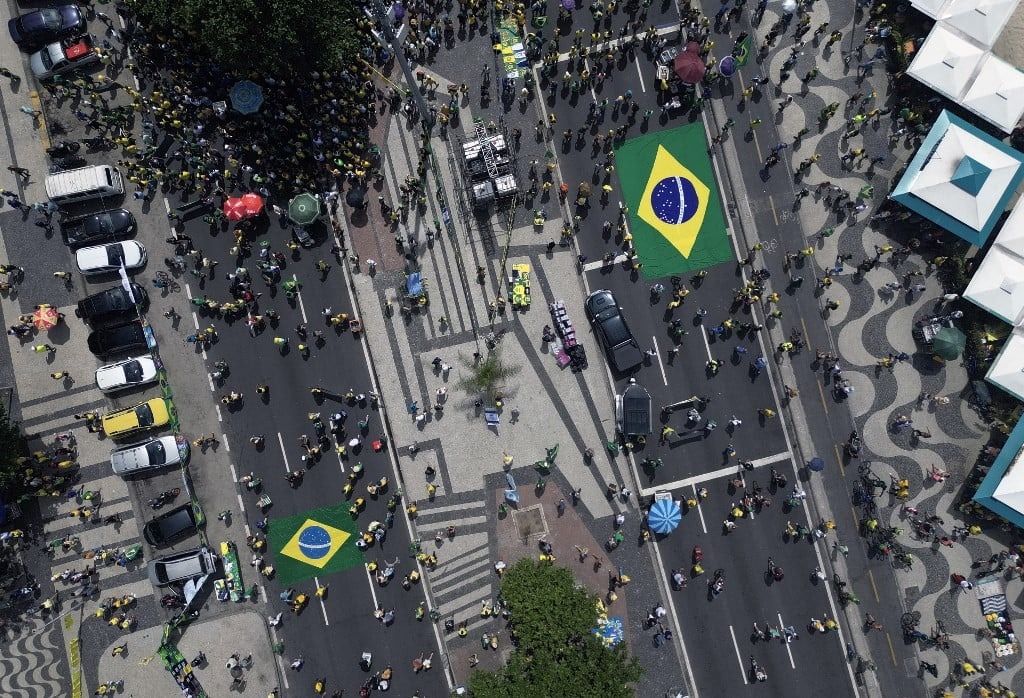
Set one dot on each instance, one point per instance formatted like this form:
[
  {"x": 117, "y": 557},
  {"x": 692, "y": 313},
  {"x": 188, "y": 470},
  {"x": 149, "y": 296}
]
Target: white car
[
  {"x": 103, "y": 259},
  {"x": 126, "y": 374},
  {"x": 147, "y": 455}
]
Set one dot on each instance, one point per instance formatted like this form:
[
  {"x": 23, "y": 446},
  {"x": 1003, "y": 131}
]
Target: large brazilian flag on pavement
[
  {"x": 675, "y": 213},
  {"x": 314, "y": 543}
]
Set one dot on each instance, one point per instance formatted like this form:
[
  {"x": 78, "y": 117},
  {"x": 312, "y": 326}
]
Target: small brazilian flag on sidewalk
[
  {"x": 314, "y": 543},
  {"x": 742, "y": 52},
  {"x": 675, "y": 214}
]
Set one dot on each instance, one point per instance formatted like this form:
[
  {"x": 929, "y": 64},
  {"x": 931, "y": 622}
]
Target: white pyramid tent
[
  {"x": 1011, "y": 235},
  {"x": 932, "y": 8},
  {"x": 1010, "y": 490},
  {"x": 998, "y": 285},
  {"x": 981, "y": 20},
  {"x": 1007, "y": 370},
  {"x": 997, "y": 95},
  {"x": 946, "y": 62}
]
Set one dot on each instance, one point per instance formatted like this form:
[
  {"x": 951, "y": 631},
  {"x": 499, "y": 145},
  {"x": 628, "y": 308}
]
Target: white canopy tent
[
  {"x": 1007, "y": 370},
  {"x": 1010, "y": 490},
  {"x": 998, "y": 285},
  {"x": 981, "y": 20},
  {"x": 946, "y": 62},
  {"x": 1011, "y": 235},
  {"x": 997, "y": 95},
  {"x": 932, "y": 8}
]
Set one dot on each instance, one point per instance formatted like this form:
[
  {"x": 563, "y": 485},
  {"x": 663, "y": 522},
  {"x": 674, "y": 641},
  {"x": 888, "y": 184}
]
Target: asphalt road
[
  {"x": 331, "y": 637},
  {"x": 734, "y": 391}
]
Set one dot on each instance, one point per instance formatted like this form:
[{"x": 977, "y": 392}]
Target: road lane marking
[
  {"x": 704, "y": 336},
  {"x": 789, "y": 650},
  {"x": 220, "y": 417},
  {"x": 373, "y": 592},
  {"x": 298, "y": 294},
  {"x": 323, "y": 606},
  {"x": 713, "y": 475},
  {"x": 771, "y": 202},
  {"x": 657, "y": 356},
  {"x": 639, "y": 73},
  {"x": 280, "y": 440},
  {"x": 603, "y": 47},
  {"x": 700, "y": 511},
  {"x": 680, "y": 646},
  {"x": 871, "y": 578},
  {"x": 821, "y": 392},
  {"x": 224, "y": 440},
  {"x": 839, "y": 459},
  {"x": 739, "y": 659},
  {"x": 280, "y": 658},
  {"x": 601, "y": 264}
]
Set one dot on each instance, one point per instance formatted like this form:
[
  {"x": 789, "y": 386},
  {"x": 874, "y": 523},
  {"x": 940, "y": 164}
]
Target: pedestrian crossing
[{"x": 464, "y": 579}]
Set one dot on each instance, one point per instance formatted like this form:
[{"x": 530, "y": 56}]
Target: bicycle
[{"x": 164, "y": 280}]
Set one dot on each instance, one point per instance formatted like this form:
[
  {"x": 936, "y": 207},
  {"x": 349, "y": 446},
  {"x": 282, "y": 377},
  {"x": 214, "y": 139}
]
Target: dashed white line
[
  {"x": 639, "y": 73},
  {"x": 704, "y": 336},
  {"x": 298, "y": 295},
  {"x": 323, "y": 606},
  {"x": 220, "y": 417},
  {"x": 789, "y": 650},
  {"x": 700, "y": 510},
  {"x": 657, "y": 355},
  {"x": 224, "y": 440},
  {"x": 280, "y": 440},
  {"x": 739, "y": 659}
]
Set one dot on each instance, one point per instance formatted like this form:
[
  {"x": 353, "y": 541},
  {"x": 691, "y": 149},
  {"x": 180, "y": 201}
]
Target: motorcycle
[
  {"x": 294, "y": 477},
  {"x": 164, "y": 497},
  {"x": 96, "y": 143},
  {"x": 336, "y": 422},
  {"x": 717, "y": 583},
  {"x": 199, "y": 660},
  {"x": 757, "y": 672},
  {"x": 68, "y": 163},
  {"x": 774, "y": 571},
  {"x": 63, "y": 148},
  {"x": 778, "y": 479},
  {"x": 175, "y": 263},
  {"x": 172, "y": 601},
  {"x": 852, "y": 447},
  {"x": 613, "y": 542}
]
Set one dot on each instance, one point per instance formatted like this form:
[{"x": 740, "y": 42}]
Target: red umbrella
[
  {"x": 45, "y": 317},
  {"x": 234, "y": 209},
  {"x": 253, "y": 204},
  {"x": 689, "y": 66}
]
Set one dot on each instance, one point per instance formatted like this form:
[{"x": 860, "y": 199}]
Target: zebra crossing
[{"x": 464, "y": 579}]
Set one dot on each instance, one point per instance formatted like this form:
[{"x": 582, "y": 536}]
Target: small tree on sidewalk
[{"x": 486, "y": 375}]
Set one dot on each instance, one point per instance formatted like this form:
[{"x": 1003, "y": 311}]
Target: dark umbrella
[
  {"x": 356, "y": 197},
  {"x": 246, "y": 97},
  {"x": 304, "y": 209},
  {"x": 816, "y": 464},
  {"x": 948, "y": 343},
  {"x": 398, "y": 11},
  {"x": 688, "y": 64},
  {"x": 727, "y": 66}
]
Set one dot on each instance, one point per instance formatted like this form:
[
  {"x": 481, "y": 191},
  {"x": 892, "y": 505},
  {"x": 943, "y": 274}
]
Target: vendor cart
[
  {"x": 633, "y": 410},
  {"x": 519, "y": 286}
]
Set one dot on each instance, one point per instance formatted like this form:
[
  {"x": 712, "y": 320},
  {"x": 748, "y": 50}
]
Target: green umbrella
[
  {"x": 304, "y": 209},
  {"x": 949, "y": 342}
]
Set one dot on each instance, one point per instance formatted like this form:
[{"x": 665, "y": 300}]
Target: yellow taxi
[{"x": 145, "y": 415}]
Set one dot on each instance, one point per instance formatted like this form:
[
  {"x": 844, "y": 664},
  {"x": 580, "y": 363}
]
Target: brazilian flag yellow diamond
[
  {"x": 674, "y": 202},
  {"x": 315, "y": 543}
]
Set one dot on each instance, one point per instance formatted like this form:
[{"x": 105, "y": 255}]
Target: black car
[
  {"x": 175, "y": 524},
  {"x": 623, "y": 351},
  {"x": 113, "y": 303},
  {"x": 118, "y": 339},
  {"x": 115, "y": 224},
  {"x": 34, "y": 29}
]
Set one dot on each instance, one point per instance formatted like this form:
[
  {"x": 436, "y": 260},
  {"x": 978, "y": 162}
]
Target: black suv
[
  {"x": 111, "y": 304},
  {"x": 164, "y": 530},
  {"x": 119, "y": 339},
  {"x": 622, "y": 349},
  {"x": 115, "y": 224}
]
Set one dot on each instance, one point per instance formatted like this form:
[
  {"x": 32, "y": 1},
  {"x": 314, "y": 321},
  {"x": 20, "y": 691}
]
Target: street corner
[
  {"x": 132, "y": 657},
  {"x": 316, "y": 542},
  {"x": 243, "y": 633}
]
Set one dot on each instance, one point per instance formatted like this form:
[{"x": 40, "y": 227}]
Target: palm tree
[{"x": 486, "y": 375}]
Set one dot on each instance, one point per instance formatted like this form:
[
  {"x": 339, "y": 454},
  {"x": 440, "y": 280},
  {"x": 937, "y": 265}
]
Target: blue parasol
[
  {"x": 398, "y": 11},
  {"x": 569, "y": 5},
  {"x": 816, "y": 464},
  {"x": 727, "y": 66},
  {"x": 246, "y": 97},
  {"x": 664, "y": 516}
]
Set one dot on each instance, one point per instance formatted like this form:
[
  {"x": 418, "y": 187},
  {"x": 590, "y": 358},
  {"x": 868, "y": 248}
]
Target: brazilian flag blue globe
[
  {"x": 314, "y": 543},
  {"x": 675, "y": 213}
]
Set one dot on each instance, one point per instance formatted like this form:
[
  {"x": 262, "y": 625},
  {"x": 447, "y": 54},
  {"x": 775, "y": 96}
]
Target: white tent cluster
[
  {"x": 998, "y": 287},
  {"x": 956, "y": 59}
]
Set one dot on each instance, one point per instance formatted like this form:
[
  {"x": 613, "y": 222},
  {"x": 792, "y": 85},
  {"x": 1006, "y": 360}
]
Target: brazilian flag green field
[
  {"x": 675, "y": 214},
  {"x": 314, "y": 543}
]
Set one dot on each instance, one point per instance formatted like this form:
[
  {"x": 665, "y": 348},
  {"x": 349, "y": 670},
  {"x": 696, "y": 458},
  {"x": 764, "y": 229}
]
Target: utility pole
[{"x": 389, "y": 33}]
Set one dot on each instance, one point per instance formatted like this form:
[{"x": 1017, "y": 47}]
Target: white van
[
  {"x": 180, "y": 566},
  {"x": 84, "y": 184}
]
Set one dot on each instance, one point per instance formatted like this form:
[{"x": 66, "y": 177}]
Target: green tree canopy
[
  {"x": 487, "y": 374},
  {"x": 557, "y": 653},
  {"x": 10, "y": 450},
  {"x": 270, "y": 36}
]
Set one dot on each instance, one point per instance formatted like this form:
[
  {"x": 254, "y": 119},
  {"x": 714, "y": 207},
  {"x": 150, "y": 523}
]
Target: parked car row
[{"x": 101, "y": 241}]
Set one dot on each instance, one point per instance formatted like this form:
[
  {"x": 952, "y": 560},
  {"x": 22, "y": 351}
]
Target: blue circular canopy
[{"x": 664, "y": 516}]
